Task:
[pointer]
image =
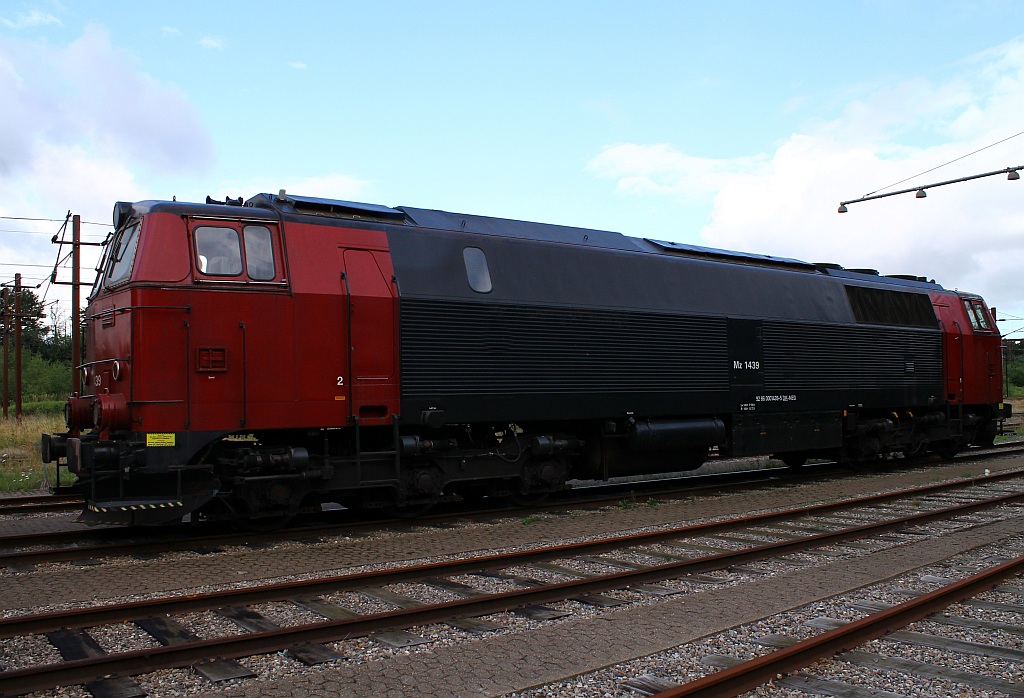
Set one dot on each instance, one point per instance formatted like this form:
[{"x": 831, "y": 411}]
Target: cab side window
[
  {"x": 232, "y": 254},
  {"x": 218, "y": 251},
  {"x": 259, "y": 253},
  {"x": 979, "y": 316}
]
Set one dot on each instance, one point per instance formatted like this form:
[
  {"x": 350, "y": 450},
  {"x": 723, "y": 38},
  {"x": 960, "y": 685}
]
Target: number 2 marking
[{"x": 341, "y": 380}]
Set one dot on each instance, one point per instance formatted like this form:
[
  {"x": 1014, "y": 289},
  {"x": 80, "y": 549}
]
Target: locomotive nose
[{"x": 104, "y": 411}]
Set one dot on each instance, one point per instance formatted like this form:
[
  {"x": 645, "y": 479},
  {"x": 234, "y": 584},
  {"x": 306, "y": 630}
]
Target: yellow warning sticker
[
  {"x": 159, "y": 439},
  {"x": 339, "y": 397}
]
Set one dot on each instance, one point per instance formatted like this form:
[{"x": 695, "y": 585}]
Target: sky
[{"x": 737, "y": 125}]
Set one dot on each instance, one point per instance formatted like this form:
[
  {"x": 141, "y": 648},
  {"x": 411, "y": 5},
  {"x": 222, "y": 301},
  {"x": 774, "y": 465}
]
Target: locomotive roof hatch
[
  {"x": 316, "y": 206},
  {"x": 731, "y": 256}
]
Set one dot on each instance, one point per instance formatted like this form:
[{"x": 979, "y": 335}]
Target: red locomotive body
[{"x": 247, "y": 361}]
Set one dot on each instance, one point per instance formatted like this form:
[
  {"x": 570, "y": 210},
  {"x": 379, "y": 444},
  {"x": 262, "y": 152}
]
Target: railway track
[
  {"x": 786, "y": 666},
  {"x": 80, "y": 543},
  {"x": 20, "y": 551},
  {"x": 564, "y": 571},
  {"x": 37, "y": 504}
]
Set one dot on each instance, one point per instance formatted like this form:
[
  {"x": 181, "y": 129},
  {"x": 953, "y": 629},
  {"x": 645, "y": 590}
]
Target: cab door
[{"x": 371, "y": 318}]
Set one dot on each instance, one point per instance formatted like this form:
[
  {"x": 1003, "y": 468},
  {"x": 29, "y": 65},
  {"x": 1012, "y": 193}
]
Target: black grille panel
[
  {"x": 461, "y": 348},
  {"x": 820, "y": 357}
]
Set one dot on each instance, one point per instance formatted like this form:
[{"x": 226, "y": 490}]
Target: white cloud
[
  {"x": 32, "y": 19},
  {"x": 298, "y": 65},
  {"x": 81, "y": 126},
  {"x": 91, "y": 96},
  {"x": 661, "y": 169},
  {"x": 211, "y": 42},
  {"x": 170, "y": 31},
  {"x": 784, "y": 203}
]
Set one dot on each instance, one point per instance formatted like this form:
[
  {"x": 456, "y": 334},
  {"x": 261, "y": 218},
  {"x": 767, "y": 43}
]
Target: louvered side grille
[
  {"x": 459, "y": 348},
  {"x": 815, "y": 357}
]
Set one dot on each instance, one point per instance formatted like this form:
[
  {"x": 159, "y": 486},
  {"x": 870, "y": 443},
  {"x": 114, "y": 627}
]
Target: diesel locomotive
[{"x": 254, "y": 359}]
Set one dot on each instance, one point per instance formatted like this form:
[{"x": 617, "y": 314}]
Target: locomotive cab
[
  {"x": 168, "y": 370},
  {"x": 972, "y": 366}
]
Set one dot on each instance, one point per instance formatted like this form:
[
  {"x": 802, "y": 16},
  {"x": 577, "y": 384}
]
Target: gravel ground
[
  {"x": 684, "y": 663},
  {"x": 680, "y": 664}
]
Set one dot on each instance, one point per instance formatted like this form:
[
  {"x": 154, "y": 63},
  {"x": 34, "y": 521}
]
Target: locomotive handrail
[
  {"x": 348, "y": 339},
  {"x": 188, "y": 374},
  {"x": 245, "y": 397},
  {"x": 963, "y": 367},
  {"x": 242, "y": 284},
  {"x": 127, "y": 308},
  {"x": 103, "y": 361}
]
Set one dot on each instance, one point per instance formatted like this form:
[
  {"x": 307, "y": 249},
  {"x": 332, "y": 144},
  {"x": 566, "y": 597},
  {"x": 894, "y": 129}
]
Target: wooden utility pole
[
  {"x": 76, "y": 293},
  {"x": 17, "y": 347},
  {"x": 7, "y": 329},
  {"x": 76, "y": 311}
]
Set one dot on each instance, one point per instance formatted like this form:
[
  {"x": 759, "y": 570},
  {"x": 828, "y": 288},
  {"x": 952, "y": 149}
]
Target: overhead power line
[
  {"x": 49, "y": 220},
  {"x": 12, "y": 264},
  {"x": 36, "y": 232},
  {"x": 941, "y": 166}
]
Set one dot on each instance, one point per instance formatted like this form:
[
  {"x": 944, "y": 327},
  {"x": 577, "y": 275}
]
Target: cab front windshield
[{"x": 117, "y": 264}]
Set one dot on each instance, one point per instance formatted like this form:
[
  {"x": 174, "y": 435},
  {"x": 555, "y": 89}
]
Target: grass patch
[
  {"x": 633, "y": 503},
  {"x": 21, "y": 464}
]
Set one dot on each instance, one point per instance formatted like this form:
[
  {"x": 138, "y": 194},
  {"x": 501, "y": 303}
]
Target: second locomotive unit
[{"x": 252, "y": 359}]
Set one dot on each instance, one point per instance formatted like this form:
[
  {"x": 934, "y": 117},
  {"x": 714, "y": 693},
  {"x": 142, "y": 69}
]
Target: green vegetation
[
  {"x": 1013, "y": 351},
  {"x": 21, "y": 467},
  {"x": 1015, "y": 379},
  {"x": 632, "y": 502},
  {"x": 45, "y": 351},
  {"x": 45, "y": 383}
]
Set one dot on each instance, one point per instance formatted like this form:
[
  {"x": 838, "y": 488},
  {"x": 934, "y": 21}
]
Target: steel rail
[
  {"x": 113, "y": 549},
  {"x": 112, "y": 613},
  {"x": 141, "y": 661},
  {"x": 760, "y": 670},
  {"x": 177, "y": 541},
  {"x": 34, "y": 498},
  {"x": 601, "y": 494},
  {"x": 39, "y": 505},
  {"x": 587, "y": 496}
]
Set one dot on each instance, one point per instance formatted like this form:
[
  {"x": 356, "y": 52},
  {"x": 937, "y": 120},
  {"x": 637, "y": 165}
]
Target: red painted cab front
[{"x": 972, "y": 361}]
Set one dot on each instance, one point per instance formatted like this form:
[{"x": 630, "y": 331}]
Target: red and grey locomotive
[{"x": 252, "y": 359}]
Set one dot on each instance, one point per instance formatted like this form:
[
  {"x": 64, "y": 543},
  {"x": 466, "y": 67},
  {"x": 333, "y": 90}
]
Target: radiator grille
[
  {"x": 841, "y": 357},
  {"x": 462, "y": 348}
]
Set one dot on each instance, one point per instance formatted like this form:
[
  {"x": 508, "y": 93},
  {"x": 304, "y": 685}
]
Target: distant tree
[
  {"x": 32, "y": 328},
  {"x": 46, "y": 348}
]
